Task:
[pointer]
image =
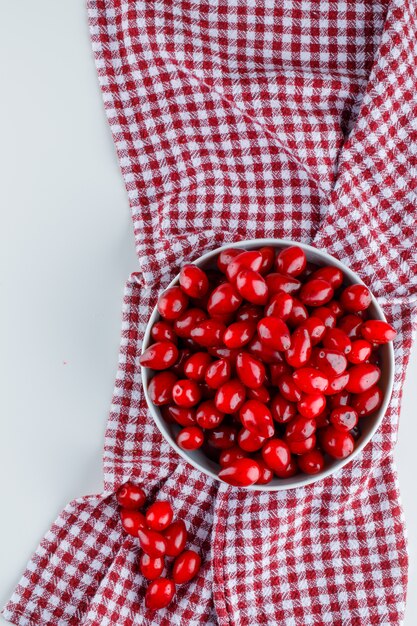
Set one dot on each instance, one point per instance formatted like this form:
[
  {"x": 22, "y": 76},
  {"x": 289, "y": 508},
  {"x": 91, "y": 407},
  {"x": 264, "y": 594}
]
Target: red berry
[
  {"x": 351, "y": 325},
  {"x": 162, "y": 331},
  {"x": 131, "y": 496},
  {"x": 335, "y": 308},
  {"x": 300, "y": 428},
  {"x": 132, "y": 521},
  {"x": 276, "y": 455},
  {"x": 310, "y": 380},
  {"x": 230, "y": 396},
  {"x": 298, "y": 315},
  {"x": 336, "y": 339},
  {"x": 289, "y": 389},
  {"x": 250, "y": 441},
  {"x": 159, "y": 593},
  {"x": 226, "y": 257},
  {"x": 377, "y": 331},
  {"x": 312, "y": 404},
  {"x": 171, "y": 303},
  {"x": 160, "y": 388},
  {"x": 193, "y": 281},
  {"x": 208, "y": 415},
  {"x": 249, "y": 260},
  {"x": 311, "y": 462},
  {"x": 218, "y": 373},
  {"x": 223, "y": 300},
  {"x": 241, "y": 473},
  {"x": 330, "y": 362},
  {"x": 299, "y": 352},
  {"x": 187, "y": 321},
  {"x": 355, "y": 298},
  {"x": 277, "y": 282},
  {"x": 152, "y": 542},
  {"x": 266, "y": 474},
  {"x": 291, "y": 261},
  {"x": 239, "y": 334},
  {"x": 252, "y": 287},
  {"x": 208, "y": 333},
  {"x": 282, "y": 410},
  {"x": 222, "y": 437},
  {"x": 335, "y": 443},
  {"x": 344, "y": 418},
  {"x": 315, "y": 328},
  {"x": 290, "y": 470},
  {"x": 362, "y": 377},
  {"x": 261, "y": 394},
  {"x": 250, "y": 371},
  {"x": 274, "y": 333},
  {"x": 176, "y": 538},
  {"x": 341, "y": 398},
  {"x": 229, "y": 456},
  {"x": 178, "y": 367},
  {"x": 260, "y": 351},
  {"x": 301, "y": 447},
  {"x": 337, "y": 383},
  {"x": 150, "y": 567},
  {"x": 249, "y": 313},
  {"x": 368, "y": 401},
  {"x": 186, "y": 567},
  {"x": 268, "y": 258},
  {"x": 160, "y": 355},
  {"x": 330, "y": 274},
  {"x": 196, "y": 365},
  {"x": 257, "y": 418},
  {"x": 182, "y": 415},
  {"x": 159, "y": 515},
  {"x": 316, "y": 292},
  {"x": 224, "y": 353},
  {"x": 280, "y": 305},
  {"x": 360, "y": 352},
  {"x": 186, "y": 393},
  {"x": 190, "y": 438}
]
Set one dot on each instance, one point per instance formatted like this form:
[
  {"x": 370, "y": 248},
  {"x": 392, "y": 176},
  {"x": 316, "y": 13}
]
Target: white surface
[{"x": 66, "y": 248}]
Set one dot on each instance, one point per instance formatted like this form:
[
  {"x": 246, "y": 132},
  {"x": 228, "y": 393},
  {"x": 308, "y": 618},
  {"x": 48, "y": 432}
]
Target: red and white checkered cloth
[{"x": 238, "y": 119}]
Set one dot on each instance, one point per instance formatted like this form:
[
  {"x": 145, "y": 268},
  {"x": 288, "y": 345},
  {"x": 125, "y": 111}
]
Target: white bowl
[{"x": 369, "y": 425}]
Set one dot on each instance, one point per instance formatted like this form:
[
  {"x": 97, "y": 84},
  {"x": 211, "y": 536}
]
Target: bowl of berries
[{"x": 267, "y": 364}]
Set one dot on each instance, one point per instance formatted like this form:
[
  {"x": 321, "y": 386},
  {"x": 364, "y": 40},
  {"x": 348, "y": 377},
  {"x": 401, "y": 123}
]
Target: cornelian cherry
[
  {"x": 159, "y": 515},
  {"x": 172, "y": 302},
  {"x": 132, "y": 521},
  {"x": 193, "y": 281},
  {"x": 242, "y": 473},
  {"x": 160, "y": 355},
  {"x": 186, "y": 567},
  {"x": 159, "y": 593},
  {"x": 190, "y": 438},
  {"x": 151, "y": 567},
  {"x": 131, "y": 496},
  {"x": 176, "y": 538}
]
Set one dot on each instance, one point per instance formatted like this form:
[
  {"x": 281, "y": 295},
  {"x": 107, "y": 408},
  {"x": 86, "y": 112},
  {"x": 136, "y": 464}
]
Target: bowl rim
[{"x": 286, "y": 483}]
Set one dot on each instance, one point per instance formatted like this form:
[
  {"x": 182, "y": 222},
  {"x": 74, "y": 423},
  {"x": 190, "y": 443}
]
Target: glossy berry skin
[
  {"x": 196, "y": 365},
  {"x": 330, "y": 362},
  {"x": 224, "y": 353},
  {"x": 276, "y": 455},
  {"x": 280, "y": 305},
  {"x": 252, "y": 287},
  {"x": 312, "y": 462},
  {"x": 299, "y": 352},
  {"x": 291, "y": 261},
  {"x": 152, "y": 542},
  {"x": 362, "y": 377},
  {"x": 360, "y": 351},
  {"x": 249, "y": 313},
  {"x": 226, "y": 257},
  {"x": 368, "y": 401},
  {"x": 208, "y": 415},
  {"x": 311, "y": 404},
  {"x": 160, "y": 388},
  {"x": 193, "y": 281},
  {"x": 300, "y": 428},
  {"x": 242, "y": 473},
  {"x": 277, "y": 282},
  {"x": 315, "y": 328},
  {"x": 238, "y": 334},
  {"x": 250, "y": 371},
  {"x": 247, "y": 260},
  {"x": 335, "y": 308},
  {"x": 249, "y": 441},
  {"x": 355, "y": 298},
  {"x": 282, "y": 410},
  {"x": 186, "y": 393},
  {"x": 132, "y": 521},
  {"x": 298, "y": 315},
  {"x": 351, "y": 325},
  {"x": 187, "y": 321},
  {"x": 218, "y": 373},
  {"x": 289, "y": 389},
  {"x": 178, "y": 367},
  {"x": 171, "y": 303},
  {"x": 151, "y": 568},
  {"x": 208, "y": 333},
  {"x": 316, "y": 292},
  {"x": 310, "y": 380},
  {"x": 229, "y": 456},
  {"x": 326, "y": 316},
  {"x": 330, "y": 274},
  {"x": 335, "y": 443},
  {"x": 186, "y": 567},
  {"x": 260, "y": 393},
  {"x": 276, "y": 370},
  {"x": 303, "y": 446},
  {"x": 336, "y": 339},
  {"x": 266, "y": 474},
  {"x": 260, "y": 351},
  {"x": 181, "y": 415},
  {"x": 290, "y": 470},
  {"x": 268, "y": 259},
  {"x": 340, "y": 399},
  {"x": 190, "y": 438},
  {"x": 344, "y": 418},
  {"x": 222, "y": 437},
  {"x": 337, "y": 383},
  {"x": 230, "y": 396},
  {"x": 130, "y": 496},
  {"x": 159, "y": 594},
  {"x": 377, "y": 331},
  {"x": 176, "y": 538},
  {"x": 159, "y": 515},
  {"x": 163, "y": 331},
  {"x": 223, "y": 300},
  {"x": 274, "y": 333},
  {"x": 160, "y": 355},
  {"x": 257, "y": 418}
]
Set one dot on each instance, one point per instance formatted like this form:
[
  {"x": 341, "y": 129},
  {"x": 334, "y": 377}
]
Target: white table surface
[{"x": 66, "y": 249}]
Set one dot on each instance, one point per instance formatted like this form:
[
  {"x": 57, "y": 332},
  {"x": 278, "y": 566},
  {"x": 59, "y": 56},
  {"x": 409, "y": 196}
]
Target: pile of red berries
[
  {"x": 267, "y": 361},
  {"x": 160, "y": 536}
]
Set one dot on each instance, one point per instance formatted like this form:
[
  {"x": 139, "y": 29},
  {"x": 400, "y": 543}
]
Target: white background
[{"x": 66, "y": 248}]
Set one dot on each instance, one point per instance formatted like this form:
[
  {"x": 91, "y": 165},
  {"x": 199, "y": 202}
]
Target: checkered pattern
[{"x": 237, "y": 119}]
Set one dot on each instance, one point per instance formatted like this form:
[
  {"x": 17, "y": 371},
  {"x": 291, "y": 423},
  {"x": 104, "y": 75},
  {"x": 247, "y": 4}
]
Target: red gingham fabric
[{"x": 238, "y": 119}]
